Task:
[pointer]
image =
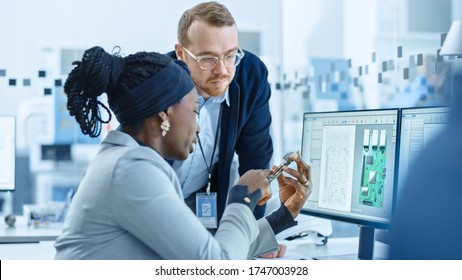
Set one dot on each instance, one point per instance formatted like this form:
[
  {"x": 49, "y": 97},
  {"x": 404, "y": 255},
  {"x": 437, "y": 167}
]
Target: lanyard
[{"x": 209, "y": 166}]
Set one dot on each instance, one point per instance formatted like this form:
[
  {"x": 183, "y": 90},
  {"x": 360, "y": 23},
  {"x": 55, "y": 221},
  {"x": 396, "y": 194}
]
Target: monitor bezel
[{"x": 351, "y": 219}]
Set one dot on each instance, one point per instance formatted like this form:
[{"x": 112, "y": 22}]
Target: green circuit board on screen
[{"x": 373, "y": 168}]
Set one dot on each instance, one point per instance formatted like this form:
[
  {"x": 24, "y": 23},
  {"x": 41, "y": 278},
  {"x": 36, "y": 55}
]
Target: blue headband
[{"x": 154, "y": 95}]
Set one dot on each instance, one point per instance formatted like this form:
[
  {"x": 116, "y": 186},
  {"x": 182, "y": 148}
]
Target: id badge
[{"x": 206, "y": 209}]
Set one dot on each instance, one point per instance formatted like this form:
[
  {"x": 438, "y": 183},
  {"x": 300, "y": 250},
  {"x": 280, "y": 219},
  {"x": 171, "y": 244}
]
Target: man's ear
[{"x": 179, "y": 52}]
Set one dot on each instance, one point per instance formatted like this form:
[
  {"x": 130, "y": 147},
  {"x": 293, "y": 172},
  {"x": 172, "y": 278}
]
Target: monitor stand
[{"x": 365, "y": 247}]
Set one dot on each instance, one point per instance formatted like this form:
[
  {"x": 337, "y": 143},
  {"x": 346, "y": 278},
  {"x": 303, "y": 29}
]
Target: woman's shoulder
[{"x": 119, "y": 147}]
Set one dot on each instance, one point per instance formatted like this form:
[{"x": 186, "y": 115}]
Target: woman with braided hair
[{"x": 129, "y": 205}]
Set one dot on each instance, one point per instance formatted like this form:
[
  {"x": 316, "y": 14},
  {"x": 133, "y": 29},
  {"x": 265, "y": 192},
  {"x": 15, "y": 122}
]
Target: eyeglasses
[{"x": 207, "y": 62}]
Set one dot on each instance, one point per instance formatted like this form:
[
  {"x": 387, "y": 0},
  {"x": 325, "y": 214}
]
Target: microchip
[{"x": 369, "y": 159}]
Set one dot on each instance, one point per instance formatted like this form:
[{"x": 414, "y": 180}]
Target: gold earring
[{"x": 165, "y": 126}]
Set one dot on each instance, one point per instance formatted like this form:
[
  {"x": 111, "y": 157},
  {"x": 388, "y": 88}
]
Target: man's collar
[{"x": 219, "y": 99}]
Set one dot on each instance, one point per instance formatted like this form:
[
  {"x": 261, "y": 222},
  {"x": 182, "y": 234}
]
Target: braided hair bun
[{"x": 98, "y": 72}]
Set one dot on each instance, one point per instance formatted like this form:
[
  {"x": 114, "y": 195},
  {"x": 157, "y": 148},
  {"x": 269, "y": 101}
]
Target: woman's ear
[
  {"x": 163, "y": 115},
  {"x": 165, "y": 125}
]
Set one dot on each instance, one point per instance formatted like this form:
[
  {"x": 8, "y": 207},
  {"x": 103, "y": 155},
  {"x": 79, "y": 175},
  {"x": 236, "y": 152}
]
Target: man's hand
[{"x": 294, "y": 192}]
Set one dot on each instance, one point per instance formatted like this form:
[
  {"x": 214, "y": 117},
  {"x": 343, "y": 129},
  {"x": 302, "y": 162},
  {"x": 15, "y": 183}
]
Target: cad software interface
[
  {"x": 418, "y": 128},
  {"x": 352, "y": 159}
]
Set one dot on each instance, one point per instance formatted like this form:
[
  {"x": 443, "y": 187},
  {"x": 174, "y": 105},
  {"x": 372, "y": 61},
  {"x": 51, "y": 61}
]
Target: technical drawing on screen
[{"x": 352, "y": 155}]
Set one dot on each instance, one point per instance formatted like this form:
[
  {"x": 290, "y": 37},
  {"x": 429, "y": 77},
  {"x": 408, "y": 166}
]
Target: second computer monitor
[{"x": 419, "y": 126}]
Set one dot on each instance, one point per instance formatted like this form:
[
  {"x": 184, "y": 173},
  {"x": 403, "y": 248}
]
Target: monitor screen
[
  {"x": 56, "y": 152},
  {"x": 353, "y": 155},
  {"x": 7, "y": 152},
  {"x": 418, "y": 128}
]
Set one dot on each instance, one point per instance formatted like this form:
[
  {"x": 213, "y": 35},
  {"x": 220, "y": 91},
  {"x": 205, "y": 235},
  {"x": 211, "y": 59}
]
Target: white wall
[
  {"x": 31, "y": 32},
  {"x": 360, "y": 27},
  {"x": 311, "y": 29}
]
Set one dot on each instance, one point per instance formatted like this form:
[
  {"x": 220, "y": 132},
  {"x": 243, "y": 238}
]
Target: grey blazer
[{"x": 129, "y": 205}]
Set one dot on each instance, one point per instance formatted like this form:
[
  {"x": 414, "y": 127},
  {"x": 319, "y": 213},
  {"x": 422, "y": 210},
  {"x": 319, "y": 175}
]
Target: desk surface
[
  {"x": 22, "y": 233},
  {"x": 336, "y": 248},
  {"x": 302, "y": 248}
]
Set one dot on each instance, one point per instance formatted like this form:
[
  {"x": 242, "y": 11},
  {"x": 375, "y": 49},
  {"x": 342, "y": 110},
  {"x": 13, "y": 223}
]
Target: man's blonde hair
[{"x": 212, "y": 13}]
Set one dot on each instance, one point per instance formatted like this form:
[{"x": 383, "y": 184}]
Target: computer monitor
[
  {"x": 419, "y": 126},
  {"x": 56, "y": 152},
  {"x": 7, "y": 152},
  {"x": 353, "y": 158}
]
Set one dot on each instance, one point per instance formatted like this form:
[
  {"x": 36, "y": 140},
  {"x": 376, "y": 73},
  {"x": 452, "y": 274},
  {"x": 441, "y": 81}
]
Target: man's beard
[{"x": 217, "y": 90}]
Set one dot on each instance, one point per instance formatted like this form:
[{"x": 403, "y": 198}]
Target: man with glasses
[{"x": 234, "y": 114}]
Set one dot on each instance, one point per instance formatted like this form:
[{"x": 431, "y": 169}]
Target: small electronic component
[
  {"x": 375, "y": 138},
  {"x": 383, "y": 137},
  {"x": 372, "y": 177},
  {"x": 286, "y": 160},
  {"x": 369, "y": 160},
  {"x": 366, "y": 138}
]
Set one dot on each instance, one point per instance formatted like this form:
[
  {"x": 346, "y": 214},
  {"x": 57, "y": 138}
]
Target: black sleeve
[
  {"x": 240, "y": 194},
  {"x": 280, "y": 220}
]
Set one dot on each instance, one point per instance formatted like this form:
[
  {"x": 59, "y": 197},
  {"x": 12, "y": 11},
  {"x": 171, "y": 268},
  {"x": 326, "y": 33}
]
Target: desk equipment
[
  {"x": 353, "y": 158},
  {"x": 23, "y": 233}
]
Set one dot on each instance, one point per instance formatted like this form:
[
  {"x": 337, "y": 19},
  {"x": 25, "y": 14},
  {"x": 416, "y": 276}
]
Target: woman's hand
[
  {"x": 294, "y": 192},
  {"x": 277, "y": 254},
  {"x": 257, "y": 180}
]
